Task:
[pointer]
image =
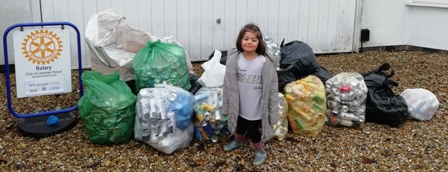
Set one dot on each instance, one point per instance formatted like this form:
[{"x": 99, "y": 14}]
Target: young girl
[{"x": 250, "y": 96}]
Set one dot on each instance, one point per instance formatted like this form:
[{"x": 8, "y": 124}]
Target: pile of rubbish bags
[{"x": 169, "y": 105}]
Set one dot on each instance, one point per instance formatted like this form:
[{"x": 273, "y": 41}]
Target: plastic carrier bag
[
  {"x": 346, "y": 99},
  {"x": 281, "y": 128},
  {"x": 107, "y": 108},
  {"x": 214, "y": 72},
  {"x": 158, "y": 62},
  {"x": 163, "y": 117},
  {"x": 422, "y": 103},
  {"x": 306, "y": 105}
]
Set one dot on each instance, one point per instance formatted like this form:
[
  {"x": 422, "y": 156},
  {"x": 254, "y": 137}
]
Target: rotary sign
[{"x": 42, "y": 61}]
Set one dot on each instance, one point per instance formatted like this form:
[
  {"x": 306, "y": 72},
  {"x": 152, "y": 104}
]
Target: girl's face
[{"x": 249, "y": 43}]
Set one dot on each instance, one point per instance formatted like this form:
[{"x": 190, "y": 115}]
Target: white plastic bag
[
  {"x": 113, "y": 43},
  {"x": 422, "y": 104},
  {"x": 214, "y": 72}
]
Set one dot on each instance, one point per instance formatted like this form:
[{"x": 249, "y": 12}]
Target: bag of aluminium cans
[
  {"x": 107, "y": 108},
  {"x": 346, "y": 99},
  {"x": 281, "y": 128},
  {"x": 306, "y": 105},
  {"x": 274, "y": 49},
  {"x": 160, "y": 62},
  {"x": 208, "y": 102},
  {"x": 163, "y": 118}
]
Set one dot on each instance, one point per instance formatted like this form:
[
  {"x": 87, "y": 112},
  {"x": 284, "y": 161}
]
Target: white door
[{"x": 202, "y": 26}]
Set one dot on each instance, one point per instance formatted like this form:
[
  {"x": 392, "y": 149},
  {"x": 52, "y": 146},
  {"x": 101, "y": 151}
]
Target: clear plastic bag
[
  {"x": 163, "y": 118},
  {"x": 346, "y": 99},
  {"x": 208, "y": 102},
  {"x": 281, "y": 128}
]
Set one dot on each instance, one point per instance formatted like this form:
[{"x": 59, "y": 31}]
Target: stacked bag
[{"x": 160, "y": 62}]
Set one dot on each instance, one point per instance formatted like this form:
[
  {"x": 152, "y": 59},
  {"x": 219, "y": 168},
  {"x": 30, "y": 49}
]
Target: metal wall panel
[{"x": 202, "y": 26}]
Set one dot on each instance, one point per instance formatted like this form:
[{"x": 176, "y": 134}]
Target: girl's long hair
[{"x": 261, "y": 49}]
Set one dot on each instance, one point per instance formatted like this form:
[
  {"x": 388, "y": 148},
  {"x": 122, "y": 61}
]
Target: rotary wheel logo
[{"x": 42, "y": 47}]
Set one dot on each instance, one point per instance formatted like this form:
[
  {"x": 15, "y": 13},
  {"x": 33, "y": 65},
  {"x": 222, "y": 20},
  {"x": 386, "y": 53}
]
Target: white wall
[
  {"x": 428, "y": 27},
  {"x": 12, "y": 12},
  {"x": 395, "y": 23}
]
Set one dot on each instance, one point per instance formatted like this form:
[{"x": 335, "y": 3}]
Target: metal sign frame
[{"x": 8, "y": 82}]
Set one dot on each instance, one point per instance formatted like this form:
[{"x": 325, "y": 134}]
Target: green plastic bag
[
  {"x": 161, "y": 61},
  {"x": 107, "y": 108}
]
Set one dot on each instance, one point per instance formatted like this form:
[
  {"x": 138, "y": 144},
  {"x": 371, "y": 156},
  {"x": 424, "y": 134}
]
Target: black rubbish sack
[
  {"x": 297, "y": 61},
  {"x": 195, "y": 85},
  {"x": 383, "y": 106},
  {"x": 322, "y": 74}
]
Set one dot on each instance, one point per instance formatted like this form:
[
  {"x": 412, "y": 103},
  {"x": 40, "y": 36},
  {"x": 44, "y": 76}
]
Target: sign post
[{"x": 42, "y": 59}]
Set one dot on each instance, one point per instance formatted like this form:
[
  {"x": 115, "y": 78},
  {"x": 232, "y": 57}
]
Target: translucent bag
[
  {"x": 281, "y": 128},
  {"x": 113, "y": 43},
  {"x": 158, "y": 62},
  {"x": 208, "y": 102},
  {"x": 107, "y": 108},
  {"x": 163, "y": 117},
  {"x": 306, "y": 105},
  {"x": 346, "y": 99}
]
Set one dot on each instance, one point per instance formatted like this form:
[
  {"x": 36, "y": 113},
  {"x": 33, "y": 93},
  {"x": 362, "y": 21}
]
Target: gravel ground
[{"x": 414, "y": 146}]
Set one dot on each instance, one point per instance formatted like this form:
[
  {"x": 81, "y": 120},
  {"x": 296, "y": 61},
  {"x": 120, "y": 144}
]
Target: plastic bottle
[{"x": 201, "y": 97}]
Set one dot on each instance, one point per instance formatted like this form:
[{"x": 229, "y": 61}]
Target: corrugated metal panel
[{"x": 326, "y": 25}]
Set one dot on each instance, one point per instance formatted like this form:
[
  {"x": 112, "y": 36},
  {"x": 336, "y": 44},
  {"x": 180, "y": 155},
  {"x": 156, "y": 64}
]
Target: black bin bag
[
  {"x": 322, "y": 74},
  {"x": 297, "y": 62},
  {"x": 383, "y": 106}
]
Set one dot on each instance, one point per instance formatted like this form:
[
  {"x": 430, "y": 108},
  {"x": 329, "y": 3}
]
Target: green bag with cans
[
  {"x": 158, "y": 62},
  {"x": 107, "y": 108}
]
